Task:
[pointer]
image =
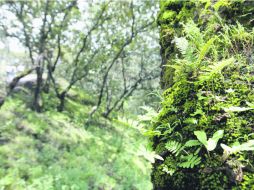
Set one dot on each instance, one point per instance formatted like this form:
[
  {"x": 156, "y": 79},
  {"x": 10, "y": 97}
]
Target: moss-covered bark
[{"x": 207, "y": 73}]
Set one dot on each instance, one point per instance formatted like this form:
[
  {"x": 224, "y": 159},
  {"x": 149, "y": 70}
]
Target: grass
[{"x": 54, "y": 151}]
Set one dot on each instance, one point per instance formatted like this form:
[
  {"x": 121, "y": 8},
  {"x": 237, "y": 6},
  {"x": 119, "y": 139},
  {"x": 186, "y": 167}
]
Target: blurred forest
[
  {"x": 75, "y": 76},
  {"x": 126, "y": 95}
]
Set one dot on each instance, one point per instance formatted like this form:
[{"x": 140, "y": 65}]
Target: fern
[
  {"x": 214, "y": 69},
  {"x": 204, "y": 50},
  {"x": 190, "y": 161},
  {"x": 193, "y": 33},
  {"x": 174, "y": 147},
  {"x": 168, "y": 170},
  {"x": 181, "y": 44},
  {"x": 149, "y": 116},
  {"x": 184, "y": 161}
]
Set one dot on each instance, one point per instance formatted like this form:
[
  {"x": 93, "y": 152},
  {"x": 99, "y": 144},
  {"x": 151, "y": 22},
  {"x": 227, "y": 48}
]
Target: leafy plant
[
  {"x": 211, "y": 143},
  {"x": 237, "y": 109},
  {"x": 168, "y": 170},
  {"x": 209, "y": 72},
  {"x": 192, "y": 143},
  {"x": 204, "y": 50},
  {"x": 237, "y": 147},
  {"x": 190, "y": 161},
  {"x": 208, "y": 79},
  {"x": 182, "y": 44},
  {"x": 174, "y": 147},
  {"x": 149, "y": 116},
  {"x": 151, "y": 156}
]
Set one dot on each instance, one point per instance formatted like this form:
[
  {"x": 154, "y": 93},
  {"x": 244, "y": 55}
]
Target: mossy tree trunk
[{"x": 207, "y": 74}]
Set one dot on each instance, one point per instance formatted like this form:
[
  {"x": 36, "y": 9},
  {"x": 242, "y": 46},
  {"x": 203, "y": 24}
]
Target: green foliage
[
  {"x": 205, "y": 49},
  {"x": 208, "y": 79},
  {"x": 211, "y": 143},
  {"x": 212, "y": 71},
  {"x": 237, "y": 147},
  {"x": 150, "y": 114},
  {"x": 174, "y": 147},
  {"x": 190, "y": 161},
  {"x": 181, "y": 44},
  {"x": 53, "y": 150},
  {"x": 185, "y": 161},
  {"x": 191, "y": 143},
  {"x": 150, "y": 156}
]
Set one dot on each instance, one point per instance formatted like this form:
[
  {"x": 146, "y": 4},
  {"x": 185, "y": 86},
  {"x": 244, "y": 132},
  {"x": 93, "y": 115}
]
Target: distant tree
[
  {"x": 82, "y": 45},
  {"x": 125, "y": 72},
  {"x": 51, "y": 17}
]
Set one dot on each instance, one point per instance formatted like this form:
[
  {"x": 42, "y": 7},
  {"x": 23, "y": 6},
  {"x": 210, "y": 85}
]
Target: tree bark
[
  {"x": 39, "y": 69},
  {"x": 61, "y": 105},
  {"x": 37, "y": 97}
]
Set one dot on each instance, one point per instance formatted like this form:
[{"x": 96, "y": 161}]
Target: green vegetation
[
  {"x": 53, "y": 150},
  {"x": 80, "y": 102},
  {"x": 74, "y": 75},
  {"x": 207, "y": 49}
]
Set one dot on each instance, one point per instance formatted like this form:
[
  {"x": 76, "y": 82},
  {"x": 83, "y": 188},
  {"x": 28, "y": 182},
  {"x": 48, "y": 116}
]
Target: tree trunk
[
  {"x": 37, "y": 104},
  {"x": 1, "y": 101},
  {"x": 46, "y": 86},
  {"x": 198, "y": 25},
  {"x": 61, "y": 97}
]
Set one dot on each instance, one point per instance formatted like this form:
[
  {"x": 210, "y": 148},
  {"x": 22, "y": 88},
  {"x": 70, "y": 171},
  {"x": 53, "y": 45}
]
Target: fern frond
[
  {"x": 193, "y": 33},
  {"x": 214, "y": 69},
  {"x": 181, "y": 44},
  {"x": 174, "y": 147},
  {"x": 204, "y": 50},
  {"x": 150, "y": 114},
  {"x": 190, "y": 161}
]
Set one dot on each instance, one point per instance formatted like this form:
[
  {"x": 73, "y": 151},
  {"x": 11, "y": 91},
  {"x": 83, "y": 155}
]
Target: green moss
[
  {"x": 199, "y": 89},
  {"x": 168, "y": 15}
]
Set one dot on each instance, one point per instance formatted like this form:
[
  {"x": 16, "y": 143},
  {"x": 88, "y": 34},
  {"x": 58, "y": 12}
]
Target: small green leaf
[
  {"x": 197, "y": 151},
  {"x": 192, "y": 143},
  {"x": 237, "y": 109},
  {"x": 212, "y": 142},
  {"x": 218, "y": 135},
  {"x": 191, "y": 120},
  {"x": 201, "y": 136}
]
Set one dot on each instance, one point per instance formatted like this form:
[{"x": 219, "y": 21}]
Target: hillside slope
[{"x": 53, "y": 150}]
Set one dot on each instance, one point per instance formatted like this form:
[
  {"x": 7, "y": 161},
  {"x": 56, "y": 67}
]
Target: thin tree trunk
[
  {"x": 37, "y": 105},
  {"x": 61, "y": 105},
  {"x": 37, "y": 93}
]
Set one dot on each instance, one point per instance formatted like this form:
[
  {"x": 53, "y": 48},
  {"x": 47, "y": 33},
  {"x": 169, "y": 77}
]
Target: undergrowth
[{"x": 55, "y": 151}]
